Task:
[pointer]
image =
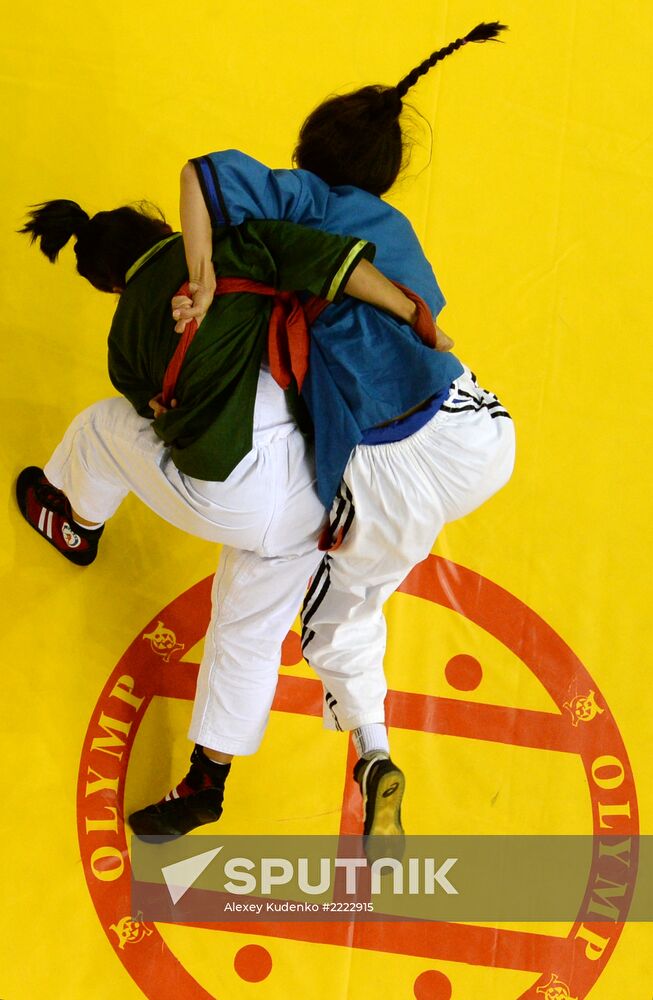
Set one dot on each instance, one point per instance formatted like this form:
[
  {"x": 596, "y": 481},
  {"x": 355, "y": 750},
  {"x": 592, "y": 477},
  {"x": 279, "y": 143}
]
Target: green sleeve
[{"x": 308, "y": 259}]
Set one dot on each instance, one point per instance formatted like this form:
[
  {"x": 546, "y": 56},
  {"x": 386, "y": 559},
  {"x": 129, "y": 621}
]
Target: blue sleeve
[{"x": 237, "y": 187}]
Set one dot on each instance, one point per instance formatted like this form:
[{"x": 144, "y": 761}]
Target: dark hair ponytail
[
  {"x": 53, "y": 224},
  {"x": 107, "y": 245},
  {"x": 357, "y": 139}
]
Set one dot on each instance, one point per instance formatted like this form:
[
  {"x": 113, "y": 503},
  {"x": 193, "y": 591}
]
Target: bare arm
[
  {"x": 198, "y": 244},
  {"x": 368, "y": 284}
]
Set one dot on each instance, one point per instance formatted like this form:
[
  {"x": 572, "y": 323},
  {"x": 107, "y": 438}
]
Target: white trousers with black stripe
[{"x": 392, "y": 504}]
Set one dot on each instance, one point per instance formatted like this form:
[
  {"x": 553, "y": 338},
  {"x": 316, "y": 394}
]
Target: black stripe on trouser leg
[
  {"x": 315, "y": 585},
  {"x": 341, "y": 505},
  {"x": 344, "y": 507},
  {"x": 307, "y": 636},
  {"x": 325, "y": 579},
  {"x": 321, "y": 584},
  {"x": 476, "y": 407},
  {"x": 495, "y": 408},
  {"x": 331, "y": 703},
  {"x": 470, "y": 395},
  {"x": 458, "y": 409},
  {"x": 350, "y": 516},
  {"x": 307, "y": 613},
  {"x": 319, "y": 595}
]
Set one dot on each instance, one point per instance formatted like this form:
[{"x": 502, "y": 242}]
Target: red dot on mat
[
  {"x": 464, "y": 672},
  {"x": 291, "y": 650},
  {"x": 253, "y": 963},
  {"x": 432, "y": 985}
]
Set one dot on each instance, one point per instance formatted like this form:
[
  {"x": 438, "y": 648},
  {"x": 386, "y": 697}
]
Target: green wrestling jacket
[{"x": 210, "y": 430}]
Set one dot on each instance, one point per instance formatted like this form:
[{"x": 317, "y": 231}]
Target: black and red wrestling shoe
[
  {"x": 48, "y": 511},
  {"x": 196, "y": 800}
]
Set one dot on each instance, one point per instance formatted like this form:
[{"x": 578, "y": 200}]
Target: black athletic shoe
[
  {"x": 48, "y": 511},
  {"x": 382, "y": 786},
  {"x": 196, "y": 800}
]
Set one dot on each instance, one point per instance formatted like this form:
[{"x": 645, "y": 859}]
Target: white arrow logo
[{"x": 181, "y": 875}]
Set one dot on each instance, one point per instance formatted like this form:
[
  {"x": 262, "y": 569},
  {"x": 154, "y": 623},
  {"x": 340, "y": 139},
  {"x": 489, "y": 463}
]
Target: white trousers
[
  {"x": 393, "y": 502},
  {"x": 266, "y": 514}
]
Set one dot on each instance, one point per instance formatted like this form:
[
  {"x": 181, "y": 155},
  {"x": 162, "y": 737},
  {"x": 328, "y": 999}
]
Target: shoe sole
[
  {"x": 146, "y": 824},
  {"x": 387, "y": 806}
]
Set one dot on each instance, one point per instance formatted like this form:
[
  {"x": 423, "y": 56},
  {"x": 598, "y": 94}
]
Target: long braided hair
[{"x": 357, "y": 138}]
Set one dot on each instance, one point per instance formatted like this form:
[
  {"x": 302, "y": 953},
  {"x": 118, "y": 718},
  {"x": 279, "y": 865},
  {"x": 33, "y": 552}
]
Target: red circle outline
[{"x": 150, "y": 962}]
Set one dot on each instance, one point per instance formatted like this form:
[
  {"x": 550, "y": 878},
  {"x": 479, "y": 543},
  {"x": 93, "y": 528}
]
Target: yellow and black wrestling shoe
[{"x": 382, "y": 786}]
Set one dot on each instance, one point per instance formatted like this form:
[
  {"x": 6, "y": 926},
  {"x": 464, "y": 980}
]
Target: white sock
[{"x": 371, "y": 739}]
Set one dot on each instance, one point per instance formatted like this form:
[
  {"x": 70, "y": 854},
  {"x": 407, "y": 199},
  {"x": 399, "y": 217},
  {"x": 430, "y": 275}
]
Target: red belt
[{"x": 288, "y": 331}]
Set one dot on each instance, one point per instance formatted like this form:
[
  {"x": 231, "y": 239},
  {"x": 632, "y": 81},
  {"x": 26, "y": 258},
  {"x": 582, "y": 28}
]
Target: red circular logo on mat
[{"x": 567, "y": 967}]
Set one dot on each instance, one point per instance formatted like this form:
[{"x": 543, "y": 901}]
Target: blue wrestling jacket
[{"x": 366, "y": 368}]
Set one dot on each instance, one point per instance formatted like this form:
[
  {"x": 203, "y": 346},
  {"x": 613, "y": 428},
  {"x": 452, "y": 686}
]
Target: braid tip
[{"x": 486, "y": 32}]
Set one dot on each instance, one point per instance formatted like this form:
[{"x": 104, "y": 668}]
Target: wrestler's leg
[
  {"x": 255, "y": 599},
  {"x": 396, "y": 499}
]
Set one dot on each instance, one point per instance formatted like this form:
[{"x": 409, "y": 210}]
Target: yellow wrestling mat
[{"x": 517, "y": 661}]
